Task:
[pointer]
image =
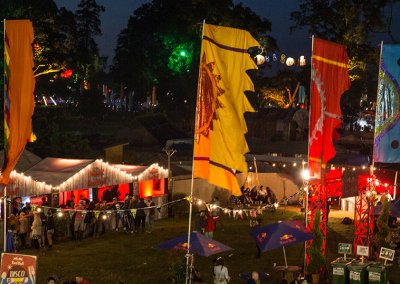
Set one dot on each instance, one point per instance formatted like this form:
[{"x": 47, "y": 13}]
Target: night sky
[{"x": 117, "y": 13}]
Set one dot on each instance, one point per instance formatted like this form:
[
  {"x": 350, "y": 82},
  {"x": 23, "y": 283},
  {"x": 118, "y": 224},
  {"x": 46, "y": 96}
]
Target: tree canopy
[
  {"x": 352, "y": 23},
  {"x": 161, "y": 45}
]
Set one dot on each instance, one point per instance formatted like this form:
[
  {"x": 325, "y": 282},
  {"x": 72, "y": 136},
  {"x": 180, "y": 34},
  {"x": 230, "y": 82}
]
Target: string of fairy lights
[{"x": 107, "y": 213}]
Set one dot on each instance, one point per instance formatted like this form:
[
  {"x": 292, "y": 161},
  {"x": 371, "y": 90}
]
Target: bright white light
[
  {"x": 59, "y": 214},
  {"x": 240, "y": 211},
  {"x": 284, "y": 165},
  {"x": 273, "y": 164},
  {"x": 354, "y": 169},
  {"x": 39, "y": 209},
  {"x": 104, "y": 217},
  {"x": 294, "y": 164},
  {"x": 305, "y": 174},
  {"x": 363, "y": 167},
  {"x": 199, "y": 202},
  {"x": 276, "y": 205},
  {"x": 343, "y": 169}
]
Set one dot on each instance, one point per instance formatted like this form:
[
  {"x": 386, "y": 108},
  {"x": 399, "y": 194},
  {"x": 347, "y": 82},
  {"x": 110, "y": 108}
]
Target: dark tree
[
  {"x": 161, "y": 46},
  {"x": 88, "y": 26},
  {"x": 352, "y": 23}
]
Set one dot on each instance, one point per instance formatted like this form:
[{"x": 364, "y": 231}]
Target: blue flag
[{"x": 387, "y": 119}]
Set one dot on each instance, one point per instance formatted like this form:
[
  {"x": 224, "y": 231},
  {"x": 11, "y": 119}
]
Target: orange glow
[{"x": 146, "y": 188}]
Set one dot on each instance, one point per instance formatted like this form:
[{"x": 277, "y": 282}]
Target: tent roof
[
  {"x": 55, "y": 171},
  {"x": 25, "y": 162},
  {"x": 131, "y": 169}
]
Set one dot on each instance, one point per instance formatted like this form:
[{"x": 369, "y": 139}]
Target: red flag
[{"x": 329, "y": 79}]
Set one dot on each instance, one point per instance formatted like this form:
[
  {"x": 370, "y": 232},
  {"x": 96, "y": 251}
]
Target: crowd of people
[
  {"x": 255, "y": 196},
  {"x": 35, "y": 228}
]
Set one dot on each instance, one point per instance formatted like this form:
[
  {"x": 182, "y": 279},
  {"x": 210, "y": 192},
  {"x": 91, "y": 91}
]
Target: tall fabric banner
[
  {"x": 220, "y": 144},
  {"x": 19, "y": 86},
  {"x": 387, "y": 119},
  {"x": 329, "y": 79}
]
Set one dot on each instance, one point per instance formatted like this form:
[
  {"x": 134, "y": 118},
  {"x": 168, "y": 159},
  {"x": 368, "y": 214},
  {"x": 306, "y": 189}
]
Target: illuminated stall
[{"x": 89, "y": 179}]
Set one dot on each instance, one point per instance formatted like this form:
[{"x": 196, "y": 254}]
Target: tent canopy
[
  {"x": 55, "y": 171},
  {"x": 25, "y": 162},
  {"x": 70, "y": 174}
]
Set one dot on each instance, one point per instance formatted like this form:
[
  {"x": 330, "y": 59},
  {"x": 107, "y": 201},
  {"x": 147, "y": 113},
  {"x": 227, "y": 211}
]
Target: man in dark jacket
[{"x": 140, "y": 215}]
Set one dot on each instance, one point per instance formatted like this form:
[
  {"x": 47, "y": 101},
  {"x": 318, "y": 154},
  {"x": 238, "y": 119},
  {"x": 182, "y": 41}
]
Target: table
[{"x": 290, "y": 270}]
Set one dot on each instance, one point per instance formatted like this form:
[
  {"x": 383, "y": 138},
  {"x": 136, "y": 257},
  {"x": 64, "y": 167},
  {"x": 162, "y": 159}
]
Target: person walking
[{"x": 221, "y": 275}]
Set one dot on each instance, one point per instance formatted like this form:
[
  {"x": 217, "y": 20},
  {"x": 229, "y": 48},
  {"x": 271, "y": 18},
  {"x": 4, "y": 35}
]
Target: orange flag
[
  {"x": 329, "y": 80},
  {"x": 220, "y": 144},
  {"x": 18, "y": 94}
]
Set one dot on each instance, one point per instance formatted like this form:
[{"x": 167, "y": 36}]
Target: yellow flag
[{"x": 220, "y": 144}]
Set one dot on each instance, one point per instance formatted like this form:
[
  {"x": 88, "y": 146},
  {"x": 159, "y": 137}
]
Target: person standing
[
  {"x": 50, "y": 226},
  {"x": 23, "y": 229},
  {"x": 152, "y": 213},
  {"x": 221, "y": 275},
  {"x": 210, "y": 226},
  {"x": 79, "y": 224},
  {"x": 36, "y": 230},
  {"x": 141, "y": 215}
]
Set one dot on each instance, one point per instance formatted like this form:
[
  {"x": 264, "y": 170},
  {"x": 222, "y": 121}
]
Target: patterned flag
[
  {"x": 18, "y": 92},
  {"x": 329, "y": 79},
  {"x": 220, "y": 144},
  {"x": 387, "y": 119}
]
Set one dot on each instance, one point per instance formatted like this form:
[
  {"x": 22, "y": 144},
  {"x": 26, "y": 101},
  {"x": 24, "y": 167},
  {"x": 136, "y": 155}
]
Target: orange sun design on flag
[{"x": 207, "y": 102}]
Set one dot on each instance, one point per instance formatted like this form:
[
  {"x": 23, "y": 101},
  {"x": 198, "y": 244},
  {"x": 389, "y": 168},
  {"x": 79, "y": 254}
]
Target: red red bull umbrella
[
  {"x": 280, "y": 234},
  {"x": 199, "y": 245}
]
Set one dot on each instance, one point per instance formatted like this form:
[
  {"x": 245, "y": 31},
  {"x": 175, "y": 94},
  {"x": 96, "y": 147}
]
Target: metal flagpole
[
  {"x": 395, "y": 186},
  {"x": 308, "y": 154},
  {"x": 5, "y": 187},
  {"x": 188, "y": 255}
]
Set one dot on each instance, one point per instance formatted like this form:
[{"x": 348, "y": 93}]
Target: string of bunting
[{"x": 210, "y": 206}]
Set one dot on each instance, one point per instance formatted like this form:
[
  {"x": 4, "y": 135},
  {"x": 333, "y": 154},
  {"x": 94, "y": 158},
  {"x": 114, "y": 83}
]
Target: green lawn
[{"x": 131, "y": 258}]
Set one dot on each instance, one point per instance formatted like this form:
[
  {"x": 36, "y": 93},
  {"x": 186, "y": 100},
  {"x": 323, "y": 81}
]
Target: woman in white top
[
  {"x": 221, "y": 275},
  {"x": 36, "y": 230}
]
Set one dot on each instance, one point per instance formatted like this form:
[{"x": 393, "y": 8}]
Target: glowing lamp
[
  {"x": 259, "y": 59},
  {"x": 305, "y": 174},
  {"x": 59, "y": 214},
  {"x": 290, "y": 61},
  {"x": 39, "y": 210},
  {"x": 66, "y": 74},
  {"x": 199, "y": 202},
  {"x": 302, "y": 61},
  {"x": 104, "y": 217}
]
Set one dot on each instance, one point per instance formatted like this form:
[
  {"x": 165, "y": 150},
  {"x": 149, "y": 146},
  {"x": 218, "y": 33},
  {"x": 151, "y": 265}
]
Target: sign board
[
  {"x": 387, "y": 254},
  {"x": 18, "y": 268},
  {"x": 345, "y": 248},
  {"x": 363, "y": 251}
]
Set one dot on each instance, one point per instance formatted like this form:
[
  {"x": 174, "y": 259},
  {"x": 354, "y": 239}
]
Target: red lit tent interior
[{"x": 95, "y": 180}]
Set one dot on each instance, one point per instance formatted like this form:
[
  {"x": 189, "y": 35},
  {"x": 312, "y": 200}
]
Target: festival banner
[
  {"x": 329, "y": 80},
  {"x": 19, "y": 86},
  {"x": 18, "y": 268},
  {"x": 220, "y": 143},
  {"x": 387, "y": 118}
]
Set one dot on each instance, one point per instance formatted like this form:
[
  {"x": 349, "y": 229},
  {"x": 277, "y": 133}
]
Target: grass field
[{"x": 131, "y": 258}]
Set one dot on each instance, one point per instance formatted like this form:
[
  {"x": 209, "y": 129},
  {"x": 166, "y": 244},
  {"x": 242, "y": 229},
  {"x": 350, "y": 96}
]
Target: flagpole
[
  {"x": 5, "y": 187},
  {"x": 188, "y": 256},
  {"x": 308, "y": 155}
]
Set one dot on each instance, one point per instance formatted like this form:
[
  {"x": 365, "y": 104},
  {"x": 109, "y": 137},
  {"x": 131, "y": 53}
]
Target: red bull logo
[{"x": 287, "y": 239}]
